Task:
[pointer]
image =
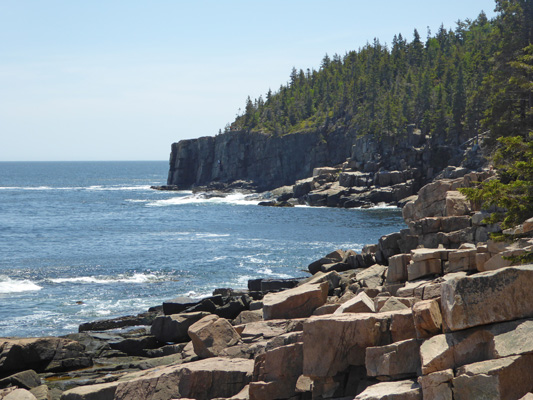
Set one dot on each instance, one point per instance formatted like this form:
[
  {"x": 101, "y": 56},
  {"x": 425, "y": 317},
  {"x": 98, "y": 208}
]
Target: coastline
[{"x": 401, "y": 295}]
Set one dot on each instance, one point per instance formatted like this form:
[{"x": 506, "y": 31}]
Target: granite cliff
[{"x": 267, "y": 161}]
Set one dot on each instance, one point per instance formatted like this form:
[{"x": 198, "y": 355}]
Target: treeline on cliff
[{"x": 453, "y": 84}]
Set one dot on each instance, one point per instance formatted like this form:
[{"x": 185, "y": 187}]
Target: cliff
[{"x": 268, "y": 161}]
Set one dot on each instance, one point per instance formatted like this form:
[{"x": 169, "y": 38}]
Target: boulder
[
  {"x": 121, "y": 322},
  {"x": 16, "y": 394},
  {"x": 102, "y": 391},
  {"x": 394, "y": 304},
  {"x": 430, "y": 202},
  {"x": 135, "y": 346},
  {"x": 326, "y": 309},
  {"x": 456, "y": 204},
  {"x": 372, "y": 277},
  {"x": 208, "y": 304},
  {"x": 178, "y": 305},
  {"x": 400, "y": 390},
  {"x": 501, "y": 260},
  {"x": 424, "y": 254},
  {"x": 333, "y": 342},
  {"x": 388, "y": 246},
  {"x": 276, "y": 373},
  {"x": 299, "y": 302},
  {"x": 332, "y": 278},
  {"x": 205, "y": 379},
  {"x": 420, "y": 269},
  {"x": 24, "y": 380},
  {"x": 488, "y": 297},
  {"x": 302, "y": 187},
  {"x": 336, "y": 256},
  {"x": 48, "y": 354},
  {"x": 461, "y": 260},
  {"x": 211, "y": 335},
  {"x": 284, "y": 340},
  {"x": 437, "y": 386},
  {"x": 274, "y": 285},
  {"x": 394, "y": 361},
  {"x": 397, "y": 271},
  {"x": 481, "y": 260},
  {"x": 455, "y": 349},
  {"x": 246, "y": 316},
  {"x": 401, "y": 326},
  {"x": 261, "y": 330},
  {"x": 173, "y": 328},
  {"x": 359, "y": 304},
  {"x": 505, "y": 378},
  {"x": 427, "y": 318}
]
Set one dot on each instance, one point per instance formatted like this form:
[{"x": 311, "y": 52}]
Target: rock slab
[{"x": 479, "y": 299}]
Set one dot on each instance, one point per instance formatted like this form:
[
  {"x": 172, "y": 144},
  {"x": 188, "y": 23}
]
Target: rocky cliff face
[{"x": 269, "y": 161}]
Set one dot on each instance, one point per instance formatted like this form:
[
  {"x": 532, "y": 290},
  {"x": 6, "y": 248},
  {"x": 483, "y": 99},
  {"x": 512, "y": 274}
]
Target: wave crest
[
  {"x": 135, "y": 278},
  {"x": 203, "y": 198},
  {"x": 8, "y": 285}
]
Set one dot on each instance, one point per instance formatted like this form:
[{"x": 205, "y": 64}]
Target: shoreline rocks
[{"x": 435, "y": 311}]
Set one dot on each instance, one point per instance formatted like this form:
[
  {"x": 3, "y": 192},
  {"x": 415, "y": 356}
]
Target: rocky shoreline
[{"x": 436, "y": 311}]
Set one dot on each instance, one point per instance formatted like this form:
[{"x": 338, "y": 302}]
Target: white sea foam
[
  {"x": 200, "y": 198},
  {"x": 135, "y": 278},
  {"x": 8, "y": 285},
  {"x": 211, "y": 235},
  {"x": 266, "y": 271},
  {"x": 118, "y": 187},
  {"x": 383, "y": 206}
]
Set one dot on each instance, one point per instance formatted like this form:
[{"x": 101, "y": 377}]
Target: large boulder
[
  {"x": 204, "y": 379},
  {"x": 397, "y": 271},
  {"x": 488, "y": 297},
  {"x": 173, "y": 328},
  {"x": 428, "y": 318},
  {"x": 505, "y": 378},
  {"x": 211, "y": 335},
  {"x": 430, "y": 202},
  {"x": 455, "y": 349},
  {"x": 299, "y": 302},
  {"x": 42, "y": 354},
  {"x": 334, "y": 342},
  {"x": 276, "y": 373}
]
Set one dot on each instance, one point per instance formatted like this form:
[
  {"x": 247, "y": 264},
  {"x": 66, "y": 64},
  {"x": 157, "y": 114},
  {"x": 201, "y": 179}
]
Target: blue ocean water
[{"x": 81, "y": 241}]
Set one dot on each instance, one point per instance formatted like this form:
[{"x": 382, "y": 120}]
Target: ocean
[{"x": 81, "y": 241}]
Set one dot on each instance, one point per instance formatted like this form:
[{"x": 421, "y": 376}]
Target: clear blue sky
[{"x": 123, "y": 79}]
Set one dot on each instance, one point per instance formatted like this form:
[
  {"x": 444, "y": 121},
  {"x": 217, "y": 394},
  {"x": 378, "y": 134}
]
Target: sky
[{"x": 124, "y": 79}]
